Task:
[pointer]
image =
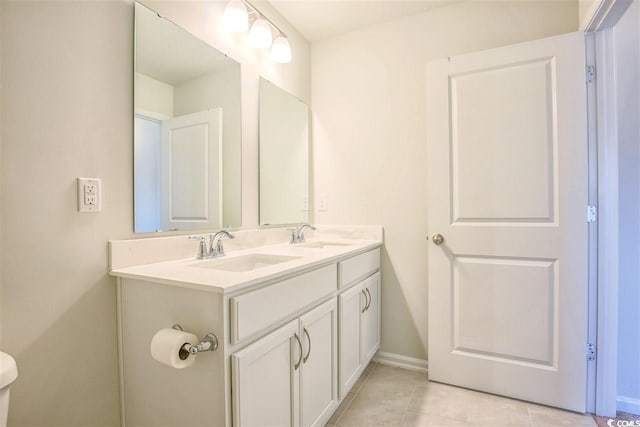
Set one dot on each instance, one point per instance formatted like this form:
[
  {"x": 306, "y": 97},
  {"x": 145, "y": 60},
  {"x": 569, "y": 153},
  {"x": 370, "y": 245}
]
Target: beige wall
[
  {"x": 586, "y": 9},
  {"x": 369, "y": 130},
  {"x": 67, "y": 76},
  {"x": 153, "y": 97},
  {"x": 1, "y": 37}
]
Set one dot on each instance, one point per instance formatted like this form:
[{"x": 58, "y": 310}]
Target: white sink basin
[
  {"x": 320, "y": 245},
  {"x": 244, "y": 263}
]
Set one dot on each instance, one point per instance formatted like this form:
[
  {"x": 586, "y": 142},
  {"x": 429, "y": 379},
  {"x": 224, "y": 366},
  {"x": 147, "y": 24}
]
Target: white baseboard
[
  {"x": 628, "y": 404},
  {"x": 400, "y": 361}
]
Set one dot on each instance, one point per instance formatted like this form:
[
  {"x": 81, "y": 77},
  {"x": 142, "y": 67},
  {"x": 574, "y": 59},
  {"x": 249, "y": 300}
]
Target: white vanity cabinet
[
  {"x": 359, "y": 312},
  {"x": 289, "y": 377},
  {"x": 291, "y": 345}
]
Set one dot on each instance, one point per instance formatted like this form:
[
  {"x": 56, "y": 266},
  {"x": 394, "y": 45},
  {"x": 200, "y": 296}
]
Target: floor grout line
[
  {"x": 406, "y": 409},
  {"x": 355, "y": 394},
  {"x": 379, "y": 374}
]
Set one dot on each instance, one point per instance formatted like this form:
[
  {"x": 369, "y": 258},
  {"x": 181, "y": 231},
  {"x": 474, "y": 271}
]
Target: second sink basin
[
  {"x": 244, "y": 263},
  {"x": 320, "y": 245}
]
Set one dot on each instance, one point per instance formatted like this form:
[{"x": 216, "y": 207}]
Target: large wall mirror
[
  {"x": 187, "y": 142},
  {"x": 284, "y": 157}
]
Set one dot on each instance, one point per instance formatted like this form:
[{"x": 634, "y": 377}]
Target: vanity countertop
[{"x": 194, "y": 274}]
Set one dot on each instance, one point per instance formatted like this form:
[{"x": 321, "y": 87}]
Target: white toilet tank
[{"x": 8, "y": 374}]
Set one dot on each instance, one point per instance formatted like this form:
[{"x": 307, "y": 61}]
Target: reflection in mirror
[
  {"x": 284, "y": 157},
  {"x": 187, "y": 130}
]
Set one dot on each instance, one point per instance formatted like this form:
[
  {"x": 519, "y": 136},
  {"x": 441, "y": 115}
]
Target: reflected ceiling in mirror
[
  {"x": 187, "y": 125},
  {"x": 284, "y": 157}
]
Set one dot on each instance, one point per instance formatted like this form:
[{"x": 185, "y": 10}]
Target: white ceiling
[{"x": 321, "y": 19}]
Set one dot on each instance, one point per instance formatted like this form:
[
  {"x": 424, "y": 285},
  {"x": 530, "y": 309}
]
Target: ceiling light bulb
[
  {"x": 281, "y": 50},
  {"x": 236, "y": 18},
  {"x": 260, "y": 34}
]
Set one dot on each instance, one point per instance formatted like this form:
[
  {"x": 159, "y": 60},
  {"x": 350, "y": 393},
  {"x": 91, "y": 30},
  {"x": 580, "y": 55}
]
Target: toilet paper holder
[{"x": 208, "y": 343}]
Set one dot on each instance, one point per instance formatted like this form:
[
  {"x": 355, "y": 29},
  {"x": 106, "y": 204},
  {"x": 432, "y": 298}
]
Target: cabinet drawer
[
  {"x": 358, "y": 267},
  {"x": 257, "y": 310}
]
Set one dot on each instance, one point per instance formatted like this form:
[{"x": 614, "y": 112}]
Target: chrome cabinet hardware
[
  {"x": 367, "y": 299},
  {"x": 297, "y": 364},
  {"x": 305, "y": 358},
  {"x": 438, "y": 239}
]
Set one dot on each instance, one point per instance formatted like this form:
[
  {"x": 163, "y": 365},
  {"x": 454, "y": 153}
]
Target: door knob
[{"x": 438, "y": 239}]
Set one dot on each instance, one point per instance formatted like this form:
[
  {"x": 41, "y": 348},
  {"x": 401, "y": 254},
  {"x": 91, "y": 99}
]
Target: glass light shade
[
  {"x": 281, "y": 50},
  {"x": 260, "y": 34},
  {"x": 235, "y": 17}
]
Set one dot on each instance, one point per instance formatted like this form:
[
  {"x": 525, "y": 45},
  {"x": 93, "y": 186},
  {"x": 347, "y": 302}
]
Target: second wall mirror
[{"x": 284, "y": 157}]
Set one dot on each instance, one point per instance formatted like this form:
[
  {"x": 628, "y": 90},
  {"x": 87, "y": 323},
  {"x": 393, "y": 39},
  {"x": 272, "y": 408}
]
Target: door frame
[
  {"x": 603, "y": 143},
  {"x": 603, "y": 193}
]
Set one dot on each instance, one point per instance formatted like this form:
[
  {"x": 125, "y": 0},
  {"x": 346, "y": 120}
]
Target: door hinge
[
  {"x": 591, "y": 352},
  {"x": 591, "y": 213},
  {"x": 591, "y": 73}
]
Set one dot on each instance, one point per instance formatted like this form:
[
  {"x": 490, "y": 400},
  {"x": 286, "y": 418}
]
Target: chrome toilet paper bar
[{"x": 208, "y": 343}]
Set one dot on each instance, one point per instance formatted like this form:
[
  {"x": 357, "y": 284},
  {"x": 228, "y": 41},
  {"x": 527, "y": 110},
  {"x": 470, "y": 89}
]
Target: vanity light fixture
[
  {"x": 237, "y": 15},
  {"x": 280, "y": 50},
  {"x": 260, "y": 34}
]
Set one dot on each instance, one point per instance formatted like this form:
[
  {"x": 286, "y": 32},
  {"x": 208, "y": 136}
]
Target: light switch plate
[
  {"x": 89, "y": 199},
  {"x": 323, "y": 205}
]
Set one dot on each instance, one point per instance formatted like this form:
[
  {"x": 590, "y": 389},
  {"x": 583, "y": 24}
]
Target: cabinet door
[
  {"x": 319, "y": 372},
  {"x": 370, "y": 334},
  {"x": 265, "y": 381},
  {"x": 350, "y": 305}
]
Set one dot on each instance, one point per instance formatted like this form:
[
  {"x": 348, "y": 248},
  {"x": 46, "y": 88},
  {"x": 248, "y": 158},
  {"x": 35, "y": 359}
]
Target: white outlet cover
[{"x": 89, "y": 197}]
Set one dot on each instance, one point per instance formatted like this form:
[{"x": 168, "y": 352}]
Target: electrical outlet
[
  {"x": 305, "y": 203},
  {"x": 89, "y": 195}
]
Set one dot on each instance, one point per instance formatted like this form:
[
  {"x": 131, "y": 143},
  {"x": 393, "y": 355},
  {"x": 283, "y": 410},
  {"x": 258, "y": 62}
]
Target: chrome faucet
[
  {"x": 202, "y": 246},
  {"x": 216, "y": 249},
  {"x": 297, "y": 234}
]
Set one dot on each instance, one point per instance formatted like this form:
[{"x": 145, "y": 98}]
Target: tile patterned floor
[{"x": 386, "y": 396}]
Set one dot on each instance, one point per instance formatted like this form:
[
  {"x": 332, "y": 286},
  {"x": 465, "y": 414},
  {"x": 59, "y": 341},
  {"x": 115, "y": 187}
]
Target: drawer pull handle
[
  {"x": 366, "y": 301},
  {"x": 297, "y": 365},
  {"x": 369, "y": 294},
  {"x": 304, "y": 359}
]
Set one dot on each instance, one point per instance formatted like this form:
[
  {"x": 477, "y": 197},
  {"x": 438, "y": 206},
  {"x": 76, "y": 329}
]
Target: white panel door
[
  {"x": 370, "y": 319},
  {"x": 350, "y": 305},
  {"x": 319, "y": 369},
  {"x": 192, "y": 171},
  {"x": 507, "y": 158},
  {"x": 266, "y": 377}
]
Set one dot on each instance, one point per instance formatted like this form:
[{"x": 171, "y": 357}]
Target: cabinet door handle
[
  {"x": 365, "y": 301},
  {"x": 297, "y": 365},
  {"x": 369, "y": 294},
  {"x": 304, "y": 359}
]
